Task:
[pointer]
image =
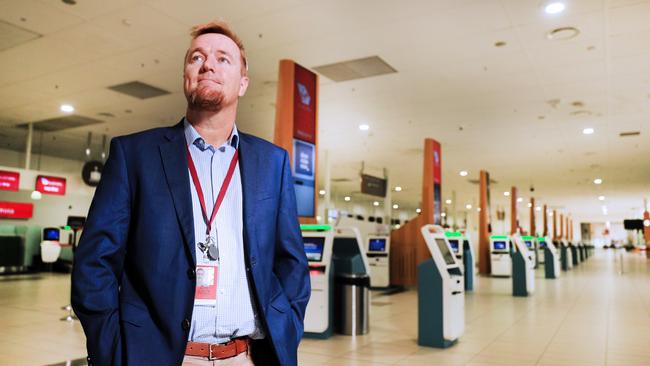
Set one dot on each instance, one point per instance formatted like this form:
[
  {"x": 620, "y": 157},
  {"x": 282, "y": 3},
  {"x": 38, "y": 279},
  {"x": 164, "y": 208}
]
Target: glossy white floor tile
[{"x": 592, "y": 315}]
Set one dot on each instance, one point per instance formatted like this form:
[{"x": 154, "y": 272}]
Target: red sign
[
  {"x": 304, "y": 105},
  {"x": 9, "y": 180},
  {"x": 50, "y": 185},
  {"x": 16, "y": 210}
]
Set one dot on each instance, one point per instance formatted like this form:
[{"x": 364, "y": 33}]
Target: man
[{"x": 196, "y": 197}]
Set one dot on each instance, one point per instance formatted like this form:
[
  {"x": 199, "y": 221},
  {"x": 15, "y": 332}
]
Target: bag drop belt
[{"x": 218, "y": 351}]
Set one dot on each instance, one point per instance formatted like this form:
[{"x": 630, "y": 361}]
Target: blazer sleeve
[
  {"x": 290, "y": 265},
  {"x": 99, "y": 261}
]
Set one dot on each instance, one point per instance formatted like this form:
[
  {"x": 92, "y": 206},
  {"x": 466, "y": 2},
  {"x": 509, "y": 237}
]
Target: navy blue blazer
[{"x": 133, "y": 279}]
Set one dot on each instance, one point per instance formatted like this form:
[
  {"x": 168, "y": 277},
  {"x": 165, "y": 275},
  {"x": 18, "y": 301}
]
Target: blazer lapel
[
  {"x": 174, "y": 158},
  {"x": 249, "y": 166}
]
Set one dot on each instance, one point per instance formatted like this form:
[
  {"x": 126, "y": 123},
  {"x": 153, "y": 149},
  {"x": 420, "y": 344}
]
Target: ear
[{"x": 243, "y": 85}]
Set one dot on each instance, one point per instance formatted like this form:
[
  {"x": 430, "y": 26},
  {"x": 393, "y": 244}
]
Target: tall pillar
[
  {"x": 28, "y": 145},
  {"x": 545, "y": 221},
  {"x": 555, "y": 236},
  {"x": 562, "y": 227},
  {"x": 513, "y": 210},
  {"x": 646, "y": 227},
  {"x": 532, "y": 217},
  {"x": 296, "y": 130},
  {"x": 484, "y": 224}
]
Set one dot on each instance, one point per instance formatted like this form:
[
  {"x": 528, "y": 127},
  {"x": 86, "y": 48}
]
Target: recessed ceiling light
[
  {"x": 395, "y": 206},
  {"x": 468, "y": 206},
  {"x": 444, "y": 214},
  {"x": 448, "y": 202},
  {"x": 398, "y": 189},
  {"x": 322, "y": 192},
  {"x": 67, "y": 108},
  {"x": 364, "y": 127},
  {"x": 538, "y": 208},
  {"x": 588, "y": 131},
  {"x": 520, "y": 199},
  {"x": 375, "y": 203},
  {"x": 417, "y": 210},
  {"x": 463, "y": 173},
  {"x": 506, "y": 194},
  {"x": 347, "y": 198},
  {"x": 478, "y": 209},
  {"x": 554, "y": 8},
  {"x": 562, "y": 33},
  {"x": 36, "y": 195},
  {"x": 598, "y": 181},
  {"x": 601, "y": 198}
]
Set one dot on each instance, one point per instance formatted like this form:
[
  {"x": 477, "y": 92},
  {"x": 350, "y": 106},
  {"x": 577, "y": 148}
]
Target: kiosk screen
[
  {"x": 314, "y": 248},
  {"x": 444, "y": 250},
  {"x": 51, "y": 234},
  {"x": 542, "y": 244},
  {"x": 499, "y": 245},
  {"x": 529, "y": 244},
  {"x": 454, "y": 245},
  {"x": 377, "y": 245}
]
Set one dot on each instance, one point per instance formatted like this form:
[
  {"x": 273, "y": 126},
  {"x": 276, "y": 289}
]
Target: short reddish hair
[{"x": 221, "y": 27}]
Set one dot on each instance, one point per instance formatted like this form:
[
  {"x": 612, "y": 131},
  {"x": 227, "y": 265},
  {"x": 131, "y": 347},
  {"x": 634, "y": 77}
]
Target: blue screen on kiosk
[
  {"x": 499, "y": 245},
  {"x": 454, "y": 245},
  {"x": 529, "y": 243},
  {"x": 314, "y": 248},
  {"x": 377, "y": 245},
  {"x": 51, "y": 234},
  {"x": 542, "y": 244}
]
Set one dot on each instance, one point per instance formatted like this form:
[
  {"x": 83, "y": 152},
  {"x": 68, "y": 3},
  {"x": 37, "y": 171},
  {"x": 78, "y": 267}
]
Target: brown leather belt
[{"x": 217, "y": 351}]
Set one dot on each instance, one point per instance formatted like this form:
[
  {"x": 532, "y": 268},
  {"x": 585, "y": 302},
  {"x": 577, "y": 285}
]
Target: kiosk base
[
  {"x": 549, "y": 264},
  {"x": 519, "y": 286},
  {"x": 430, "y": 308}
]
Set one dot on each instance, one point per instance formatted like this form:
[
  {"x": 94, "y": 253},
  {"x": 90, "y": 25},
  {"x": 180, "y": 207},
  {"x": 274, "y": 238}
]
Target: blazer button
[
  {"x": 186, "y": 324},
  {"x": 191, "y": 273}
]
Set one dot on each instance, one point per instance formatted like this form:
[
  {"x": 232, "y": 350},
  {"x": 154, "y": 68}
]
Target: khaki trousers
[{"x": 242, "y": 359}]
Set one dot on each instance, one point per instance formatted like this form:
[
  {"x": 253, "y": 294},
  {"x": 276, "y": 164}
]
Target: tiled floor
[{"x": 592, "y": 315}]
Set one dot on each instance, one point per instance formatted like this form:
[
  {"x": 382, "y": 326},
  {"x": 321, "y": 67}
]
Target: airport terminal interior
[{"x": 471, "y": 176}]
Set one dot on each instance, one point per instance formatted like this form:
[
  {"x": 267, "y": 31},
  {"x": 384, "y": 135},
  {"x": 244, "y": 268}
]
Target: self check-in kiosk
[
  {"x": 441, "y": 300},
  {"x": 523, "y": 268},
  {"x": 378, "y": 251},
  {"x": 574, "y": 253},
  {"x": 464, "y": 252},
  {"x": 551, "y": 257},
  {"x": 532, "y": 247},
  {"x": 566, "y": 257},
  {"x": 500, "y": 259},
  {"x": 318, "y": 243}
]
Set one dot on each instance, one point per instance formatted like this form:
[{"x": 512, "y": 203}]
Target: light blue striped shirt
[{"x": 234, "y": 314}]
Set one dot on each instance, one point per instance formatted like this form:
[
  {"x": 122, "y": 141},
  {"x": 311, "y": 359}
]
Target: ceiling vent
[
  {"x": 478, "y": 181},
  {"x": 629, "y": 133},
  {"x": 12, "y": 36},
  {"x": 341, "y": 180},
  {"x": 138, "y": 90},
  {"x": 62, "y": 123},
  {"x": 356, "y": 69}
]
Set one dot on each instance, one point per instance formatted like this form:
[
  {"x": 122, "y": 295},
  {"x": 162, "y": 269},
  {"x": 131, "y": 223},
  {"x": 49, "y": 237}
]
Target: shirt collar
[{"x": 192, "y": 137}]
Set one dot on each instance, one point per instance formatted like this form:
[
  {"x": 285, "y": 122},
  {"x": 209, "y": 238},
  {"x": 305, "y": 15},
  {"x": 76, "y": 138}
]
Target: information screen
[
  {"x": 314, "y": 247},
  {"x": 499, "y": 245},
  {"x": 51, "y": 234},
  {"x": 542, "y": 244},
  {"x": 529, "y": 244},
  {"x": 454, "y": 245},
  {"x": 444, "y": 250},
  {"x": 377, "y": 245}
]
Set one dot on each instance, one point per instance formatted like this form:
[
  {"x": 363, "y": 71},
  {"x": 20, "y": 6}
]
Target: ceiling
[{"x": 517, "y": 110}]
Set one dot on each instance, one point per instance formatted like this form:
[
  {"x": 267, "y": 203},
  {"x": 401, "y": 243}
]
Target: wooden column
[
  {"x": 545, "y": 222},
  {"x": 296, "y": 118},
  {"x": 646, "y": 233},
  {"x": 555, "y": 236},
  {"x": 566, "y": 233},
  {"x": 408, "y": 248},
  {"x": 532, "y": 217},
  {"x": 513, "y": 210},
  {"x": 484, "y": 224},
  {"x": 562, "y": 226}
]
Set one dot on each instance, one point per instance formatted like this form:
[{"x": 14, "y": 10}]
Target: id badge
[{"x": 206, "y": 285}]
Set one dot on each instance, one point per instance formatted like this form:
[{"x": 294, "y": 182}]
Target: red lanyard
[{"x": 222, "y": 190}]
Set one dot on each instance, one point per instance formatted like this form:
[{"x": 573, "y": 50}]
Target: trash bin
[{"x": 352, "y": 302}]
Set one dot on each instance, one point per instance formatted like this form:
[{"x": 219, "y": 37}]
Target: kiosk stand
[
  {"x": 523, "y": 268},
  {"x": 317, "y": 240},
  {"x": 441, "y": 300},
  {"x": 532, "y": 247},
  {"x": 574, "y": 253},
  {"x": 464, "y": 252},
  {"x": 500, "y": 259},
  {"x": 551, "y": 257},
  {"x": 378, "y": 251}
]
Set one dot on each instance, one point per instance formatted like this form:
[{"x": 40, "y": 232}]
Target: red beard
[{"x": 205, "y": 98}]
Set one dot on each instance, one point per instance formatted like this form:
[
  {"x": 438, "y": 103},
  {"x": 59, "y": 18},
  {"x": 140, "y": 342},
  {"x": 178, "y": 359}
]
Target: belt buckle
[{"x": 210, "y": 357}]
